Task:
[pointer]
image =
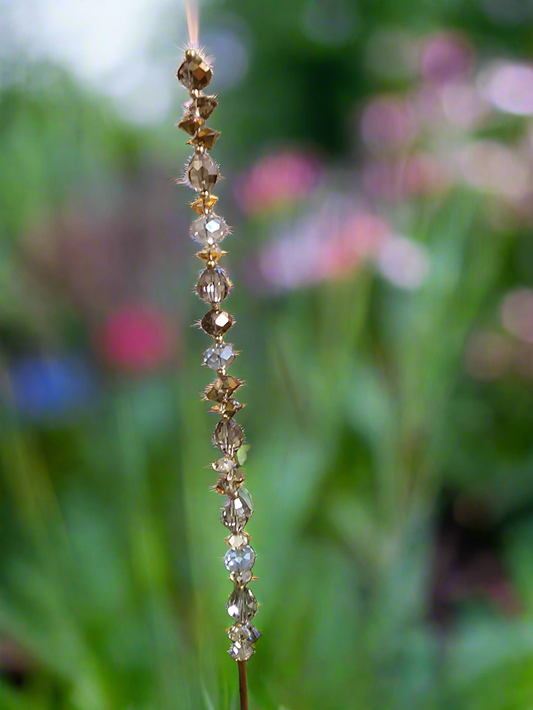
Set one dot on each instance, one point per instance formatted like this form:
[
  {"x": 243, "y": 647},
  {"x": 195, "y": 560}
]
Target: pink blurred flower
[
  {"x": 495, "y": 168},
  {"x": 404, "y": 262},
  {"x": 276, "y": 180},
  {"x": 389, "y": 123},
  {"x": 136, "y": 338},
  {"x": 509, "y": 87},
  {"x": 415, "y": 175},
  {"x": 329, "y": 244},
  {"x": 359, "y": 239},
  {"x": 517, "y": 313},
  {"x": 463, "y": 105},
  {"x": 445, "y": 56},
  {"x": 488, "y": 355}
]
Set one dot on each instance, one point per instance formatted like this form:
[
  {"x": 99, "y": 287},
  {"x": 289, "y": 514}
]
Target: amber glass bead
[
  {"x": 194, "y": 72},
  {"x": 206, "y": 137},
  {"x": 204, "y": 204}
]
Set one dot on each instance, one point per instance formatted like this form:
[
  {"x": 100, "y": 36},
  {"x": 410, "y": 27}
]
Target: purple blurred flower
[
  {"x": 445, "y": 56},
  {"x": 276, "y": 180},
  {"x": 509, "y": 87},
  {"x": 389, "y": 124}
]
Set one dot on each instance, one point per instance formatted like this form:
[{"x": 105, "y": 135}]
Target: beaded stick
[{"x": 213, "y": 287}]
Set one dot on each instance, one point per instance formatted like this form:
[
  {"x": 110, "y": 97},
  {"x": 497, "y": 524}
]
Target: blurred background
[{"x": 378, "y": 158}]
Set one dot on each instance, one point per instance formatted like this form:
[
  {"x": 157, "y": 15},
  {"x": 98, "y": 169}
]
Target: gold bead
[
  {"x": 211, "y": 255},
  {"x": 227, "y": 409},
  {"x": 194, "y": 72},
  {"x": 222, "y": 388},
  {"x": 205, "y": 138},
  {"x": 205, "y": 203},
  {"x": 190, "y": 124}
]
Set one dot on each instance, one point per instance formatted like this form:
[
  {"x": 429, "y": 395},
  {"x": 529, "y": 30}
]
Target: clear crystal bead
[
  {"x": 241, "y": 651},
  {"x": 213, "y": 285},
  {"x": 224, "y": 465},
  {"x": 216, "y": 323},
  {"x": 209, "y": 229},
  {"x": 236, "y": 513},
  {"x": 238, "y": 540},
  {"x": 239, "y": 560},
  {"x": 242, "y": 604},
  {"x": 228, "y": 436},
  {"x": 219, "y": 356},
  {"x": 243, "y": 632},
  {"x": 202, "y": 172}
]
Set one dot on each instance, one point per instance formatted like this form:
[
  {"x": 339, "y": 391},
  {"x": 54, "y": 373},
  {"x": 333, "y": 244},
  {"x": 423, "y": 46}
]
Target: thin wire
[
  {"x": 193, "y": 21},
  {"x": 243, "y": 685}
]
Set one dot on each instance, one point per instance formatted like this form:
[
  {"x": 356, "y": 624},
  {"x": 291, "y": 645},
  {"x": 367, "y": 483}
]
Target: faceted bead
[
  {"x": 202, "y": 172},
  {"x": 236, "y": 513},
  {"x": 190, "y": 124},
  {"x": 241, "y": 651},
  {"x": 211, "y": 253},
  {"x": 213, "y": 285},
  {"x": 239, "y": 560},
  {"x": 222, "y": 388},
  {"x": 228, "y": 436},
  {"x": 206, "y": 137},
  {"x": 205, "y": 105},
  {"x": 243, "y": 632},
  {"x": 219, "y": 356},
  {"x": 204, "y": 204},
  {"x": 242, "y": 604},
  {"x": 241, "y": 578},
  {"x": 216, "y": 323},
  {"x": 194, "y": 72},
  {"x": 227, "y": 409},
  {"x": 224, "y": 465},
  {"x": 209, "y": 229},
  {"x": 238, "y": 540},
  {"x": 226, "y": 486}
]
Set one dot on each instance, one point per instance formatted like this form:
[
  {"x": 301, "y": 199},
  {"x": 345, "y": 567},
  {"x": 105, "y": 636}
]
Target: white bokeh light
[{"x": 106, "y": 44}]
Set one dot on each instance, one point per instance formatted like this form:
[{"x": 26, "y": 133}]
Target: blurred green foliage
[{"x": 393, "y": 488}]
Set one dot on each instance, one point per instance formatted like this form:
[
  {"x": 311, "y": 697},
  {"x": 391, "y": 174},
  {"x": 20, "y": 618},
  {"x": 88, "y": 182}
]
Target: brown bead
[
  {"x": 203, "y": 106},
  {"x": 213, "y": 285},
  {"x": 228, "y": 437},
  {"x": 216, "y": 323},
  {"x": 202, "y": 172},
  {"x": 206, "y": 137},
  {"x": 194, "y": 72},
  {"x": 190, "y": 124},
  {"x": 227, "y": 409},
  {"x": 204, "y": 204},
  {"x": 222, "y": 388}
]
